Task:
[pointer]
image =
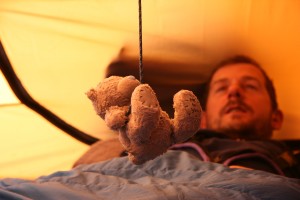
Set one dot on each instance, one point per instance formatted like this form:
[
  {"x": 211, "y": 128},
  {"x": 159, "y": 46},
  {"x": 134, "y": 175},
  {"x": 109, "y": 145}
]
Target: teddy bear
[{"x": 145, "y": 130}]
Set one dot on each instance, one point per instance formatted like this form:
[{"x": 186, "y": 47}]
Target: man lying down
[
  {"x": 241, "y": 113},
  {"x": 232, "y": 157}
]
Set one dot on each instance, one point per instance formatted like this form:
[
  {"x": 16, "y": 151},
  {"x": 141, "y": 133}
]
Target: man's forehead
[{"x": 238, "y": 71}]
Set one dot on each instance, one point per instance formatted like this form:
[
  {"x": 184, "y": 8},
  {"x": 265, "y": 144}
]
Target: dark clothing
[{"x": 267, "y": 155}]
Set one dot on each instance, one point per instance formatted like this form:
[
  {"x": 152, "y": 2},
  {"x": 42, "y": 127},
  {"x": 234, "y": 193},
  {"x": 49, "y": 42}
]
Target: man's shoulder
[{"x": 277, "y": 153}]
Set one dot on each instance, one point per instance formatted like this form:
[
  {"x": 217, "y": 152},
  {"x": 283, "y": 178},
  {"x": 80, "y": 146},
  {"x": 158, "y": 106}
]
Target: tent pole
[{"x": 24, "y": 97}]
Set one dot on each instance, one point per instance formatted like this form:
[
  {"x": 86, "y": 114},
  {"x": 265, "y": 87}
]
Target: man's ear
[
  {"x": 203, "y": 121},
  {"x": 277, "y": 119}
]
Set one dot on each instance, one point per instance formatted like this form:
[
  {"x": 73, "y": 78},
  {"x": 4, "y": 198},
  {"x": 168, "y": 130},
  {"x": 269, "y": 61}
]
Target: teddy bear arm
[{"x": 187, "y": 116}]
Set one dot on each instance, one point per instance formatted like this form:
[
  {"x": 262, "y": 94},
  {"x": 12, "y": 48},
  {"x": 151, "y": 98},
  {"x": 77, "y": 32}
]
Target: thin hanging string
[
  {"x": 141, "y": 44},
  {"x": 141, "y": 71}
]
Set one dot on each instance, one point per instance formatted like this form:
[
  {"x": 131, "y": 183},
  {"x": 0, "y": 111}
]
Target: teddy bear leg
[
  {"x": 187, "y": 116},
  {"x": 145, "y": 113},
  {"x": 125, "y": 141}
]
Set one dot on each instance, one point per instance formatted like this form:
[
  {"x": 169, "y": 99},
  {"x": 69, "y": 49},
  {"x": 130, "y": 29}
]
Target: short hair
[{"x": 247, "y": 60}]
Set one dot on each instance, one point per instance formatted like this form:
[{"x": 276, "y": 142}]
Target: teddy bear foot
[
  {"x": 187, "y": 116},
  {"x": 145, "y": 113}
]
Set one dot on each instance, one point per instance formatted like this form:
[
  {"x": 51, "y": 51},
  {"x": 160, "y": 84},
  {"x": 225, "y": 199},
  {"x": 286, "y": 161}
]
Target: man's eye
[
  {"x": 220, "y": 89},
  {"x": 251, "y": 86}
]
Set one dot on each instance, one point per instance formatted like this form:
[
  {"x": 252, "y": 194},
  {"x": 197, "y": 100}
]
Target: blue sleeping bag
[{"x": 174, "y": 175}]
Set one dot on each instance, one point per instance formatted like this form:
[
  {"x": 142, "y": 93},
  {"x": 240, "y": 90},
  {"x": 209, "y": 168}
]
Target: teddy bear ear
[
  {"x": 127, "y": 85},
  {"x": 91, "y": 94}
]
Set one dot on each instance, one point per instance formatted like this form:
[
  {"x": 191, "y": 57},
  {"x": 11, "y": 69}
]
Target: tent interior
[{"x": 60, "y": 49}]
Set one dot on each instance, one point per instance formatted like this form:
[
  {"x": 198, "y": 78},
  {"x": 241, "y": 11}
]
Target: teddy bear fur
[{"x": 145, "y": 130}]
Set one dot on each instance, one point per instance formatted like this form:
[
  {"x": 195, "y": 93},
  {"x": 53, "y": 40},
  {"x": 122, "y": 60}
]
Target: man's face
[{"x": 238, "y": 103}]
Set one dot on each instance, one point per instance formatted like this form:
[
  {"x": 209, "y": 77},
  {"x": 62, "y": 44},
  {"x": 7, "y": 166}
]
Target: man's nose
[{"x": 234, "y": 91}]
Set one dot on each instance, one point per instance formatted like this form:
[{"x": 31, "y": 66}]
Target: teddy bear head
[{"x": 114, "y": 91}]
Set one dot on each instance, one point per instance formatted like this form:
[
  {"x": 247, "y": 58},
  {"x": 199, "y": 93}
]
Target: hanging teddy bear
[{"x": 145, "y": 130}]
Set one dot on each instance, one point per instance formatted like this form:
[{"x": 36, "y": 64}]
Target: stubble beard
[{"x": 251, "y": 130}]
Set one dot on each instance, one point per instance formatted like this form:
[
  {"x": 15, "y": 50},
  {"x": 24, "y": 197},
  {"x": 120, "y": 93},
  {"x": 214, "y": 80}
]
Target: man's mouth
[{"x": 231, "y": 109}]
